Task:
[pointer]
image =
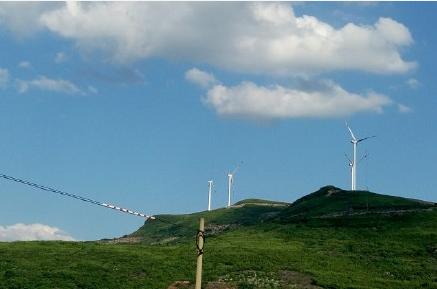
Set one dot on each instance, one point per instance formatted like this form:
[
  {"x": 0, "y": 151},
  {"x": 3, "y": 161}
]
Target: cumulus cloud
[
  {"x": 33, "y": 232},
  {"x": 44, "y": 83},
  {"x": 4, "y": 77},
  {"x": 201, "y": 78},
  {"x": 23, "y": 18},
  {"x": 306, "y": 99},
  {"x": 249, "y": 37}
]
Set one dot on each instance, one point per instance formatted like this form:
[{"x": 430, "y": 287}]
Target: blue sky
[{"x": 139, "y": 104}]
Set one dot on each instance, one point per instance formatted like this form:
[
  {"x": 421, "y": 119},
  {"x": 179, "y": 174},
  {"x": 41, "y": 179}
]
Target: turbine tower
[
  {"x": 354, "y": 163},
  {"x": 209, "y": 194},
  {"x": 210, "y": 185},
  {"x": 351, "y": 165},
  {"x": 230, "y": 180}
]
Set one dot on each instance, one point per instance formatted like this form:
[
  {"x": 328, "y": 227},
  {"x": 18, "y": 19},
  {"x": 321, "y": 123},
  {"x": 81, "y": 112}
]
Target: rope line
[{"x": 44, "y": 188}]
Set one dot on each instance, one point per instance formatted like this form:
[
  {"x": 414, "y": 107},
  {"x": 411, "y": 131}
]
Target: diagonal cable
[{"x": 76, "y": 197}]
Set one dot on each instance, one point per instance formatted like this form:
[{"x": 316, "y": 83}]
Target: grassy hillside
[
  {"x": 333, "y": 203},
  {"x": 171, "y": 228},
  {"x": 313, "y": 243}
]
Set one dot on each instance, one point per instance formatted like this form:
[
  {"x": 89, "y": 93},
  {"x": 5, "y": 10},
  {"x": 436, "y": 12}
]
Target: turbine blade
[
  {"x": 352, "y": 134},
  {"x": 365, "y": 156},
  {"x": 347, "y": 158},
  {"x": 366, "y": 138},
  {"x": 236, "y": 169}
]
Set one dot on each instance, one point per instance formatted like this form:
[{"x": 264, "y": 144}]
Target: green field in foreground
[{"x": 392, "y": 245}]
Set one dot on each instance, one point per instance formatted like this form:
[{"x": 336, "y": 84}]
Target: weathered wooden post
[{"x": 200, "y": 240}]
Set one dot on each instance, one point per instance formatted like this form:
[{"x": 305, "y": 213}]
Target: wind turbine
[
  {"x": 354, "y": 163},
  {"x": 210, "y": 185},
  {"x": 209, "y": 194},
  {"x": 230, "y": 180}
]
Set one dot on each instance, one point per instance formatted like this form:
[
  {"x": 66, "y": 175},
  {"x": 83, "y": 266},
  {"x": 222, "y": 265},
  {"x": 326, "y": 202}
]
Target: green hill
[
  {"x": 329, "y": 206},
  {"x": 328, "y": 239},
  {"x": 331, "y": 202},
  {"x": 171, "y": 228}
]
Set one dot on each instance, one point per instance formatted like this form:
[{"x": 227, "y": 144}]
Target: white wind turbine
[
  {"x": 230, "y": 180},
  {"x": 209, "y": 194},
  {"x": 210, "y": 185},
  {"x": 354, "y": 163}
]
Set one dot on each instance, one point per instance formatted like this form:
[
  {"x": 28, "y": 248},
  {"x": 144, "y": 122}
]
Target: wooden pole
[{"x": 200, "y": 239}]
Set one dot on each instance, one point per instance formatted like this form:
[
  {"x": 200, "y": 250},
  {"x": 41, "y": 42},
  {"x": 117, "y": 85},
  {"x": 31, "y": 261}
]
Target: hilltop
[
  {"x": 170, "y": 228},
  {"x": 328, "y": 204},
  {"x": 332, "y": 202}
]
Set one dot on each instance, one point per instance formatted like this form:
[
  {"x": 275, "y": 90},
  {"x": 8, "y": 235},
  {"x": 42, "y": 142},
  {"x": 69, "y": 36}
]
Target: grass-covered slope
[
  {"x": 169, "y": 228},
  {"x": 331, "y": 202},
  {"x": 92, "y": 265},
  {"x": 328, "y": 239},
  {"x": 329, "y": 206}
]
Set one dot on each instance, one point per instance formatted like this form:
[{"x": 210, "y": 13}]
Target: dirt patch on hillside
[
  {"x": 122, "y": 240},
  {"x": 332, "y": 191},
  {"x": 220, "y": 285},
  {"x": 210, "y": 285},
  {"x": 256, "y": 280},
  {"x": 211, "y": 230},
  {"x": 293, "y": 279},
  {"x": 181, "y": 285}
]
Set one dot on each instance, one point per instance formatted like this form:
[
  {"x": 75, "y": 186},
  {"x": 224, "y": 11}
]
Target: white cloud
[
  {"x": 249, "y": 37},
  {"x": 45, "y": 83},
  {"x": 404, "y": 109},
  {"x": 23, "y": 18},
  {"x": 4, "y": 77},
  {"x": 413, "y": 83},
  {"x": 306, "y": 99},
  {"x": 33, "y": 232},
  {"x": 24, "y": 64},
  {"x": 201, "y": 78},
  {"x": 393, "y": 32}
]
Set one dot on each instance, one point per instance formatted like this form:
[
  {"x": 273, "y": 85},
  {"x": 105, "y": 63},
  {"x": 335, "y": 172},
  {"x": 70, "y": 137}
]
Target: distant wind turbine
[
  {"x": 209, "y": 194},
  {"x": 354, "y": 163},
  {"x": 210, "y": 185},
  {"x": 230, "y": 180}
]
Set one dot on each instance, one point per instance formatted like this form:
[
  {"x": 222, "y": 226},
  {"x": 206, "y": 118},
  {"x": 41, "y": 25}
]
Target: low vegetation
[{"x": 328, "y": 239}]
